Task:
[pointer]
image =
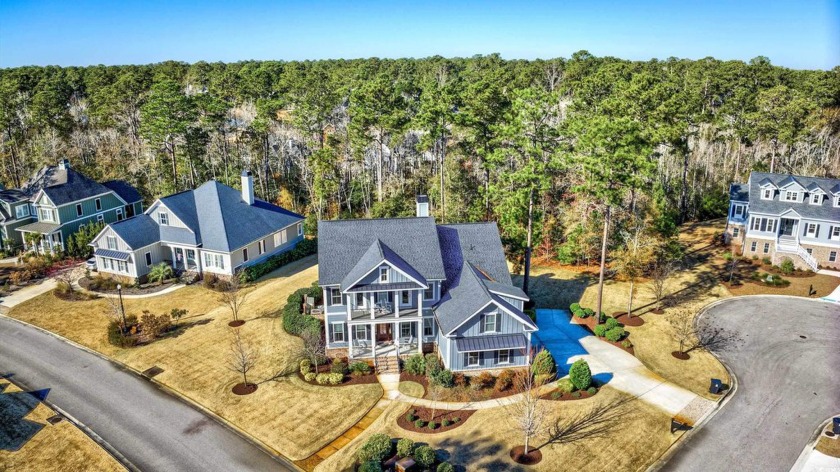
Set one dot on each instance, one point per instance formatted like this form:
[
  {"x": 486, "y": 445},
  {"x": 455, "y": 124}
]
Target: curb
[
  {"x": 803, "y": 456},
  {"x": 105, "y": 445},
  {"x": 173, "y": 393}
]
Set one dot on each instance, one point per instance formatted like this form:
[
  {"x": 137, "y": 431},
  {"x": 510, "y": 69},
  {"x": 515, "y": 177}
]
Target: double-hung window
[
  {"x": 473, "y": 359},
  {"x": 360, "y": 300},
  {"x": 245, "y": 254},
  {"x": 220, "y": 261},
  {"x": 112, "y": 242},
  {"x": 21, "y": 211},
  {"x": 163, "y": 218},
  {"x": 98, "y": 204},
  {"x": 79, "y": 211},
  {"x": 405, "y": 330},
  {"x": 735, "y": 232},
  {"x": 816, "y": 199},
  {"x": 148, "y": 259},
  {"x": 791, "y": 196},
  {"x": 280, "y": 238},
  {"x": 300, "y": 229},
  {"x": 262, "y": 246},
  {"x": 753, "y": 246},
  {"x": 811, "y": 230},
  {"x": 405, "y": 298},
  {"x": 488, "y": 323},
  {"x": 120, "y": 215},
  {"x": 504, "y": 356},
  {"x": 428, "y": 327},
  {"x": 45, "y": 214},
  {"x": 383, "y": 274},
  {"x": 338, "y": 332},
  {"x": 360, "y": 332},
  {"x": 832, "y": 256},
  {"x": 835, "y": 233},
  {"x": 100, "y": 218},
  {"x": 767, "y": 194},
  {"x": 429, "y": 293},
  {"x": 335, "y": 296},
  {"x": 766, "y": 248}
]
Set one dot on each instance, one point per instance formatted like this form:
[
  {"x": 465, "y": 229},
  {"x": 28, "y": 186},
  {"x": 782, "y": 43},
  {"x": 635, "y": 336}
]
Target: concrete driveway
[
  {"x": 787, "y": 364},
  {"x": 150, "y": 428}
]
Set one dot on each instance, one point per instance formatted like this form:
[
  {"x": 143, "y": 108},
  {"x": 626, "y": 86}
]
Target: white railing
[
  {"x": 809, "y": 259},
  {"x": 791, "y": 244}
]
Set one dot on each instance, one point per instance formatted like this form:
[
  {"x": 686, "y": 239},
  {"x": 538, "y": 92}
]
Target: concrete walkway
[
  {"x": 816, "y": 461},
  {"x": 170, "y": 289},
  {"x": 26, "y": 293},
  {"x": 833, "y": 273}
]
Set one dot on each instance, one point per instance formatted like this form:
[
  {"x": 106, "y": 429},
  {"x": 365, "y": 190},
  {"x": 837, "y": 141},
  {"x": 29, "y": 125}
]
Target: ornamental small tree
[
  {"x": 543, "y": 364},
  {"x": 580, "y": 375}
]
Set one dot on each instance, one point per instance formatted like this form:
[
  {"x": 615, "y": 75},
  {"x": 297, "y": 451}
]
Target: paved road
[
  {"x": 152, "y": 429},
  {"x": 787, "y": 384}
]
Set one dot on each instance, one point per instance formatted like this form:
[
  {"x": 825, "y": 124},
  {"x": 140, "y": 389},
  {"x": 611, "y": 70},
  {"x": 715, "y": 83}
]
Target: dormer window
[
  {"x": 22, "y": 211},
  {"x": 791, "y": 196},
  {"x": 837, "y": 201},
  {"x": 163, "y": 218},
  {"x": 45, "y": 214},
  {"x": 767, "y": 194},
  {"x": 383, "y": 274},
  {"x": 816, "y": 199}
]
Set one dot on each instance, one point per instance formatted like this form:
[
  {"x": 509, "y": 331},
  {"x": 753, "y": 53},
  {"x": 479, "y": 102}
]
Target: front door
[
  {"x": 383, "y": 333},
  {"x": 191, "y": 265},
  {"x": 787, "y": 227},
  {"x": 179, "y": 258}
]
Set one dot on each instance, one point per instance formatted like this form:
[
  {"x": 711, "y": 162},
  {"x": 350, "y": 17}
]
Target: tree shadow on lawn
[
  {"x": 476, "y": 454},
  {"x": 15, "y": 431},
  {"x": 180, "y": 329},
  {"x": 549, "y": 291}
]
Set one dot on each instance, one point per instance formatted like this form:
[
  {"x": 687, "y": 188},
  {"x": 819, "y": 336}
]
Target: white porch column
[
  {"x": 326, "y": 302},
  {"x": 373, "y": 338},
  {"x": 174, "y": 260},
  {"x": 372, "y": 303},
  {"x": 349, "y": 298},
  {"x": 397, "y": 303},
  {"x": 396, "y": 336},
  {"x": 420, "y": 301},
  {"x": 350, "y": 341},
  {"x": 420, "y": 336}
]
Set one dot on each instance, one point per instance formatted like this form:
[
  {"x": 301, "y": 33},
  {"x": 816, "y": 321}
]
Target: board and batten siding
[
  {"x": 158, "y": 253},
  {"x": 173, "y": 220},
  {"x": 101, "y": 242},
  {"x": 254, "y": 256},
  {"x": 487, "y": 359},
  {"x": 393, "y": 277},
  {"x": 109, "y": 201},
  {"x": 506, "y": 324},
  {"x": 519, "y": 304}
]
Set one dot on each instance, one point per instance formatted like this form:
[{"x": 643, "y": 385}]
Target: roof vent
[
  {"x": 422, "y": 206},
  {"x": 64, "y": 164}
]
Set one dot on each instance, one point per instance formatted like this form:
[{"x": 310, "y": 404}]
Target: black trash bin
[
  {"x": 716, "y": 386},
  {"x": 836, "y": 426}
]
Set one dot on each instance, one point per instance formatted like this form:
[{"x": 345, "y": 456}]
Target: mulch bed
[
  {"x": 517, "y": 454},
  {"x": 244, "y": 389},
  {"x": 74, "y": 296},
  {"x": 568, "y": 396},
  {"x": 236, "y": 323},
  {"x": 657, "y": 311},
  {"x": 425, "y": 414},
  {"x": 680, "y": 355},
  {"x": 84, "y": 282},
  {"x": 590, "y": 323},
  {"x": 633, "y": 321},
  {"x": 452, "y": 394},
  {"x": 348, "y": 379}
]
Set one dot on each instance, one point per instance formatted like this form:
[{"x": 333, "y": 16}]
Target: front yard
[
  {"x": 285, "y": 413},
  {"x": 29, "y": 443}
]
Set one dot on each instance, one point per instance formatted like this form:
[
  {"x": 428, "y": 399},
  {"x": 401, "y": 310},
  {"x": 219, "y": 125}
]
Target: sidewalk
[{"x": 26, "y": 293}]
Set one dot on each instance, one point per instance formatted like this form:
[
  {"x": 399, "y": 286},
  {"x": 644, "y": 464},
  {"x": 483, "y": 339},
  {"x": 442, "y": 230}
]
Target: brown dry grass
[
  {"x": 412, "y": 389},
  {"x": 293, "y": 417},
  {"x": 484, "y": 441},
  {"x": 61, "y": 446},
  {"x": 799, "y": 286},
  {"x": 829, "y": 446}
]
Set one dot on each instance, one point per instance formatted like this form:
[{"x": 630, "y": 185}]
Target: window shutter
[
  {"x": 817, "y": 234},
  {"x": 481, "y": 324},
  {"x": 806, "y": 229}
]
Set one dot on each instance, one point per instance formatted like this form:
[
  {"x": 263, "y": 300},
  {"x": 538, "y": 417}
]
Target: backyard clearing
[
  {"x": 292, "y": 417},
  {"x": 40, "y": 445},
  {"x": 485, "y": 440}
]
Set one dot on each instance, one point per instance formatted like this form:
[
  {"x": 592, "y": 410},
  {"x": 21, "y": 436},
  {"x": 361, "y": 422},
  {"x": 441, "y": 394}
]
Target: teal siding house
[{"x": 57, "y": 201}]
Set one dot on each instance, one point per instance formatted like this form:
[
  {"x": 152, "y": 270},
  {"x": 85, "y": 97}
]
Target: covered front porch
[
  {"x": 48, "y": 237},
  {"x": 380, "y": 338},
  {"x": 183, "y": 258}
]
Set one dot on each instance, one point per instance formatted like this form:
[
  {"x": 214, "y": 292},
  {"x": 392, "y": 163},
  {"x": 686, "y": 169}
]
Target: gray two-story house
[
  {"x": 57, "y": 201},
  {"x": 399, "y": 286},
  {"x": 781, "y": 216},
  {"x": 213, "y": 229}
]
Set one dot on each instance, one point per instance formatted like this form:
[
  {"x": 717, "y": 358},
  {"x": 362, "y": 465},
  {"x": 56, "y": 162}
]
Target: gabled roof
[
  {"x": 835, "y": 190},
  {"x": 220, "y": 220},
  {"x": 790, "y": 180},
  {"x": 813, "y": 187},
  {"x": 13, "y": 195},
  {"x": 824, "y": 211},
  {"x": 477, "y": 243},
  {"x": 343, "y": 243},
  {"x": 63, "y": 186},
  {"x": 765, "y": 182},
  {"x": 137, "y": 232},
  {"x": 375, "y": 255},
  {"x": 124, "y": 190}
]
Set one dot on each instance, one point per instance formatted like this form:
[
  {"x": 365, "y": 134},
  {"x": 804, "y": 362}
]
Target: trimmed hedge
[
  {"x": 376, "y": 448},
  {"x": 416, "y": 365},
  {"x": 304, "y": 248},
  {"x": 425, "y": 456},
  {"x": 580, "y": 375},
  {"x": 543, "y": 363},
  {"x": 615, "y": 334},
  {"x": 295, "y": 322},
  {"x": 600, "y": 330}
]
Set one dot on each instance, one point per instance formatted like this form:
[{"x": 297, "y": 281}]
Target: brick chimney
[{"x": 247, "y": 187}]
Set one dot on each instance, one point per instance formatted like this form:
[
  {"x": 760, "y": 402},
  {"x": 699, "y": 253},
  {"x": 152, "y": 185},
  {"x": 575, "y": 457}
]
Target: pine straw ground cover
[
  {"x": 484, "y": 442},
  {"x": 285, "y": 413},
  {"x": 59, "y": 446}
]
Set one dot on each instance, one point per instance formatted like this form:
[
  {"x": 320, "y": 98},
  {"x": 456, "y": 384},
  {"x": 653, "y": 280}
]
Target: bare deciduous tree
[
  {"x": 243, "y": 357},
  {"x": 314, "y": 346},
  {"x": 233, "y": 297},
  {"x": 682, "y": 327},
  {"x": 528, "y": 414},
  {"x": 660, "y": 274}
]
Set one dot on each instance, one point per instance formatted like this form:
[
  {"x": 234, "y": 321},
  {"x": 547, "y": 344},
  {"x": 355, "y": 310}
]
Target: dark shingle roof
[
  {"x": 477, "y": 243},
  {"x": 342, "y": 243},
  {"x": 63, "y": 186},
  {"x": 510, "y": 290},
  {"x": 13, "y": 195},
  {"x": 825, "y": 211},
  {"x": 491, "y": 343},
  {"x": 375, "y": 255},
  {"x": 124, "y": 190},
  {"x": 137, "y": 232},
  {"x": 739, "y": 192},
  {"x": 220, "y": 220}
]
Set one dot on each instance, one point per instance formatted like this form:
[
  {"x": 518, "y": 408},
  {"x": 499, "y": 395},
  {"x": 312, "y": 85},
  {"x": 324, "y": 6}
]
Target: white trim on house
[
  {"x": 500, "y": 307},
  {"x": 379, "y": 265}
]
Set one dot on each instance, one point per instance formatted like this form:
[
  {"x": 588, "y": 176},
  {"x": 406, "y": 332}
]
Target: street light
[{"x": 122, "y": 309}]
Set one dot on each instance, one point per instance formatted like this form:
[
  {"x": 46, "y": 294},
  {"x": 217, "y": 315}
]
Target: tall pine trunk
[
  {"x": 527, "y": 278},
  {"x": 603, "y": 263}
]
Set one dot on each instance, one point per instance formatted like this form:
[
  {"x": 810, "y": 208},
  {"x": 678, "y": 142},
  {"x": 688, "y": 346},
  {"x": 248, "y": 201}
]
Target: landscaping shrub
[
  {"x": 305, "y": 366},
  {"x": 425, "y": 456},
  {"x": 416, "y": 365},
  {"x": 370, "y": 466},
  {"x": 153, "y": 325},
  {"x": 432, "y": 365},
  {"x": 432, "y": 425},
  {"x": 576, "y": 394},
  {"x": 615, "y": 334},
  {"x": 575, "y": 307},
  {"x": 377, "y": 448},
  {"x": 116, "y": 337},
  {"x": 600, "y": 330},
  {"x": 301, "y": 250},
  {"x": 310, "y": 376},
  {"x": 359, "y": 368},
  {"x": 443, "y": 378},
  {"x": 338, "y": 367},
  {"x": 483, "y": 380},
  {"x": 543, "y": 363},
  {"x": 405, "y": 447},
  {"x": 445, "y": 467},
  {"x": 456, "y": 419},
  {"x": 410, "y": 417},
  {"x": 580, "y": 375},
  {"x": 592, "y": 390},
  {"x": 419, "y": 423},
  {"x": 587, "y": 312},
  {"x": 460, "y": 380},
  {"x": 335, "y": 378},
  {"x": 505, "y": 380},
  {"x": 556, "y": 394},
  {"x": 727, "y": 256},
  {"x": 626, "y": 344},
  {"x": 786, "y": 267},
  {"x": 611, "y": 323},
  {"x": 565, "y": 386},
  {"x": 766, "y": 260},
  {"x": 101, "y": 283},
  {"x": 322, "y": 378},
  {"x": 294, "y": 321},
  {"x": 445, "y": 422}
]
